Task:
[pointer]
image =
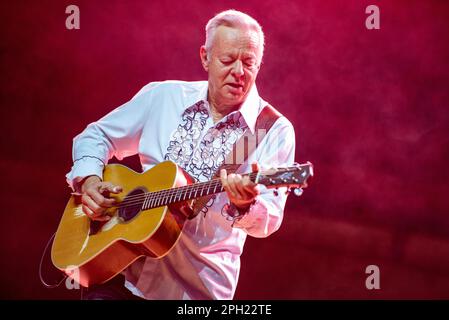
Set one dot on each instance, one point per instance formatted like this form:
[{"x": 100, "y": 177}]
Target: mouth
[{"x": 235, "y": 85}]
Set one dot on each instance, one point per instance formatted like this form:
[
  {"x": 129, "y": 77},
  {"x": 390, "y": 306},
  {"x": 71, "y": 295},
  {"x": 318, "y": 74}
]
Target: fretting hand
[{"x": 241, "y": 190}]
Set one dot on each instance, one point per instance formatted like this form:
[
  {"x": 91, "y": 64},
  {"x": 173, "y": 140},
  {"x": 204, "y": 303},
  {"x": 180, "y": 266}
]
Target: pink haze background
[{"x": 370, "y": 109}]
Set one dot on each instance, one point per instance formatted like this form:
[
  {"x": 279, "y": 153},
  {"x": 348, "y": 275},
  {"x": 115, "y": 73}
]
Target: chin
[
  {"x": 236, "y": 96},
  {"x": 235, "y": 101}
]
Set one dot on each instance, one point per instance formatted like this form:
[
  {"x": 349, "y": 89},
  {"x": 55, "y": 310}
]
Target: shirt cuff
[
  {"x": 232, "y": 213},
  {"x": 83, "y": 167}
]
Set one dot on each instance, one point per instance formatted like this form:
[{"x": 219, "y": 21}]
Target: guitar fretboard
[
  {"x": 165, "y": 197},
  {"x": 149, "y": 200}
]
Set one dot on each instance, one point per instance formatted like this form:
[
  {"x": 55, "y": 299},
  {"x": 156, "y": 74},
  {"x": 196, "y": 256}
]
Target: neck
[{"x": 220, "y": 110}]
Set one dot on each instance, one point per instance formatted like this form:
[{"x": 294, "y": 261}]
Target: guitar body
[{"x": 94, "y": 252}]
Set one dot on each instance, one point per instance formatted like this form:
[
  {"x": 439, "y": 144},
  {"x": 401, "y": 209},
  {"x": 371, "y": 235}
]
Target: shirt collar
[{"x": 250, "y": 108}]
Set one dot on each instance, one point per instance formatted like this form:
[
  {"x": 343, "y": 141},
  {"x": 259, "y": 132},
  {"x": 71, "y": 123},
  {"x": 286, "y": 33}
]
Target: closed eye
[
  {"x": 226, "y": 62},
  {"x": 250, "y": 63}
]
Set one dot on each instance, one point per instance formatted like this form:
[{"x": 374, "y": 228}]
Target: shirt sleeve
[
  {"x": 265, "y": 215},
  {"x": 116, "y": 134}
]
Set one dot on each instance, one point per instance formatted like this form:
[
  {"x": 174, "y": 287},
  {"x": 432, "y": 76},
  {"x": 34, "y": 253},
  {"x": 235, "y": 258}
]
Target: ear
[{"x": 204, "y": 59}]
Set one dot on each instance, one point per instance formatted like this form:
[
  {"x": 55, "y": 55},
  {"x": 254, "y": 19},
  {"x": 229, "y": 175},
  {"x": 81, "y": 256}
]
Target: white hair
[{"x": 234, "y": 19}]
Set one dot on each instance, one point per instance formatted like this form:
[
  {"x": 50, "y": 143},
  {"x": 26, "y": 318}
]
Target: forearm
[
  {"x": 116, "y": 134},
  {"x": 263, "y": 217},
  {"x": 91, "y": 152}
]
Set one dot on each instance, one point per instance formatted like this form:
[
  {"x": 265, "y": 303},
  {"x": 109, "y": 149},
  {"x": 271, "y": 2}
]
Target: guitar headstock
[{"x": 295, "y": 178}]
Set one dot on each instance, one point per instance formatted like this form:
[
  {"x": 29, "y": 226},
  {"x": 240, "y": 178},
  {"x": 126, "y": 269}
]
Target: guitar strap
[{"x": 242, "y": 148}]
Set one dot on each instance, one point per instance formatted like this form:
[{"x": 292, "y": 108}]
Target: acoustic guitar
[{"x": 147, "y": 220}]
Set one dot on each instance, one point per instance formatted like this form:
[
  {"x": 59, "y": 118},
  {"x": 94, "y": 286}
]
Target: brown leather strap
[{"x": 243, "y": 148}]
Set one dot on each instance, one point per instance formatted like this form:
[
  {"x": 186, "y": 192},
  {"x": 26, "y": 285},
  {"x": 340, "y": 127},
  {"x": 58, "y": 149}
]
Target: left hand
[{"x": 241, "y": 190}]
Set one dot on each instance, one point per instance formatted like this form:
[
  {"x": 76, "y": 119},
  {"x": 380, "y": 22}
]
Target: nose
[{"x": 237, "y": 69}]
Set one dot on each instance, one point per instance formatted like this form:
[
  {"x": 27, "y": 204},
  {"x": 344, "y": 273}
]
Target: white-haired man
[{"x": 195, "y": 125}]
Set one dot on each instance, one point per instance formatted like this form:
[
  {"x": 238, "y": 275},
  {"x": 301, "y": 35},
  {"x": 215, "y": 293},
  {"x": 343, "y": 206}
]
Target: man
[{"x": 195, "y": 125}]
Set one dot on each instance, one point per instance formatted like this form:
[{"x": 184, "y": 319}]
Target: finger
[
  {"x": 101, "y": 218},
  {"x": 234, "y": 181},
  {"x": 93, "y": 216},
  {"x": 92, "y": 205},
  {"x": 224, "y": 179},
  {"x": 255, "y": 166},
  {"x": 238, "y": 185},
  {"x": 246, "y": 188},
  {"x": 87, "y": 211},
  {"x": 100, "y": 199},
  {"x": 223, "y": 174},
  {"x": 247, "y": 182},
  {"x": 250, "y": 187}
]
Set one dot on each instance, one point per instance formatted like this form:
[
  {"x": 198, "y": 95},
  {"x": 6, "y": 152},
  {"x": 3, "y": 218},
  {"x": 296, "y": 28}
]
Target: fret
[
  {"x": 171, "y": 196},
  {"x": 145, "y": 202},
  {"x": 208, "y": 188},
  {"x": 177, "y": 193},
  {"x": 163, "y": 200},
  {"x": 151, "y": 201},
  {"x": 190, "y": 194},
  {"x": 215, "y": 188},
  {"x": 157, "y": 198},
  {"x": 185, "y": 194},
  {"x": 196, "y": 190},
  {"x": 150, "y": 198},
  {"x": 181, "y": 197}
]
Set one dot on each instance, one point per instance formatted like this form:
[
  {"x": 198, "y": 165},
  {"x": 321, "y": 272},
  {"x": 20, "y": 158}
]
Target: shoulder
[
  {"x": 282, "y": 123},
  {"x": 173, "y": 87}
]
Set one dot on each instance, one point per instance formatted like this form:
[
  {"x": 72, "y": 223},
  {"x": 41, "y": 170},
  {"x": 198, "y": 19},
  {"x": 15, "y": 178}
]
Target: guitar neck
[
  {"x": 289, "y": 176},
  {"x": 189, "y": 192}
]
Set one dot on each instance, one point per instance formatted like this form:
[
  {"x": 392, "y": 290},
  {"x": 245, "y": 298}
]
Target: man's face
[{"x": 233, "y": 64}]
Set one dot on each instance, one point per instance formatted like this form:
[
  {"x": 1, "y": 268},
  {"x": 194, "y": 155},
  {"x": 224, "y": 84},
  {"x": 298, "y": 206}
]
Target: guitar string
[
  {"x": 177, "y": 191},
  {"x": 202, "y": 184},
  {"x": 198, "y": 184},
  {"x": 156, "y": 196}
]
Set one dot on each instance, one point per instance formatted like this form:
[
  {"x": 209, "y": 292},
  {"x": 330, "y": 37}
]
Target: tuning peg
[
  {"x": 276, "y": 192},
  {"x": 297, "y": 191}
]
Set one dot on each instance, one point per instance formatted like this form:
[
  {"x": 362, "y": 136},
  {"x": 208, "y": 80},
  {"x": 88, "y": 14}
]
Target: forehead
[{"x": 229, "y": 40}]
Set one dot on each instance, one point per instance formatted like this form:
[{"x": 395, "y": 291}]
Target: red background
[{"x": 370, "y": 108}]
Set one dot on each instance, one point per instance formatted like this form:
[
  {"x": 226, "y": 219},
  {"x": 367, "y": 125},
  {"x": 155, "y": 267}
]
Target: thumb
[
  {"x": 109, "y": 187},
  {"x": 255, "y": 166},
  {"x": 117, "y": 189}
]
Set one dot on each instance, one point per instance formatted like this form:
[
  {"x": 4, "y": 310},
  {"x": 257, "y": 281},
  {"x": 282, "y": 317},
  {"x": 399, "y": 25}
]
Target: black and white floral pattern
[{"x": 201, "y": 157}]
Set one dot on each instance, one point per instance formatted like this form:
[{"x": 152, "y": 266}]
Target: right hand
[{"x": 95, "y": 197}]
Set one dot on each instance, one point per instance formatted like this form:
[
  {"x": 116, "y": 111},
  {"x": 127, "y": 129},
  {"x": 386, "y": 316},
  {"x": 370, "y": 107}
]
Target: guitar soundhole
[{"x": 132, "y": 204}]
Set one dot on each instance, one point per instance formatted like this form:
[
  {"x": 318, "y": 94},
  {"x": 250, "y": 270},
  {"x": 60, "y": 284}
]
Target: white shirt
[{"x": 171, "y": 120}]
